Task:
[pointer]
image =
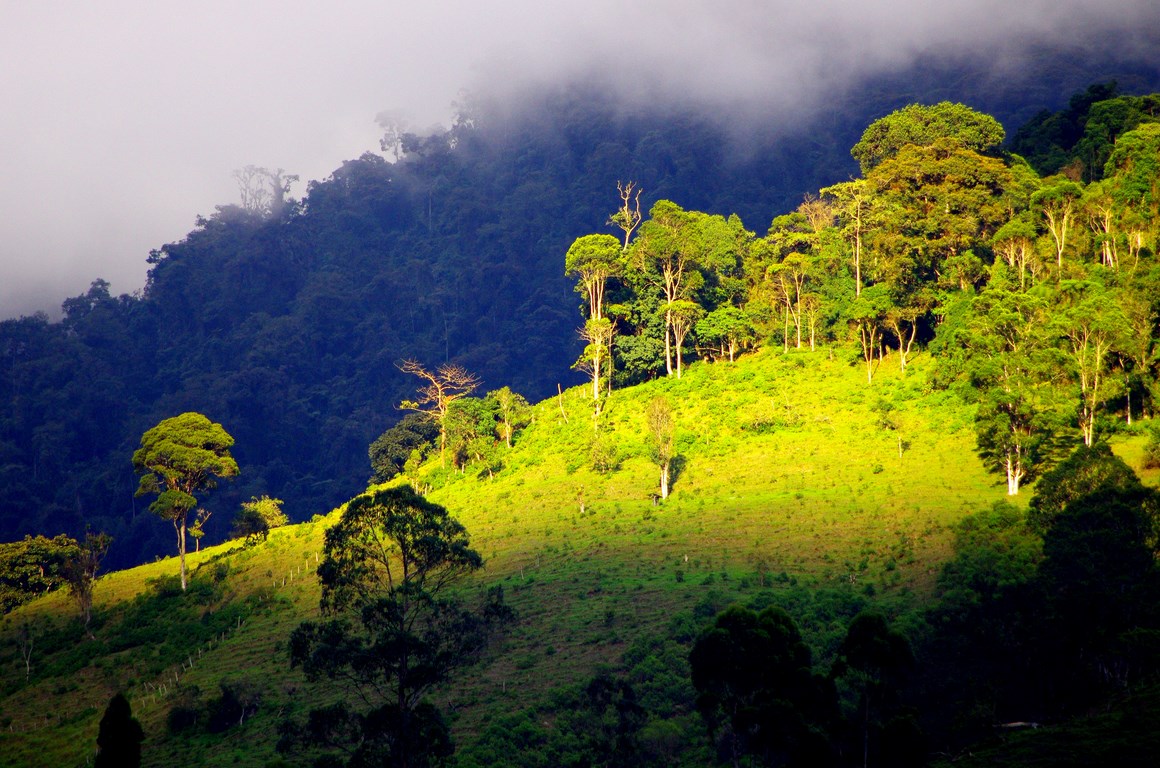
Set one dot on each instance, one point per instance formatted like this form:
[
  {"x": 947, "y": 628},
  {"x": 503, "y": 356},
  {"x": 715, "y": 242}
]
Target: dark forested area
[{"x": 286, "y": 323}]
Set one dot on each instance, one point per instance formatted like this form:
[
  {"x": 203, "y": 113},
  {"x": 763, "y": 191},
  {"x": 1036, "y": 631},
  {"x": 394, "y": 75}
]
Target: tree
[
  {"x": 594, "y": 259},
  {"x": 922, "y": 125},
  {"x": 683, "y": 316},
  {"x": 179, "y": 457},
  {"x": 874, "y": 660},
  {"x": 446, "y": 384},
  {"x": 471, "y": 433},
  {"x": 258, "y": 516},
  {"x": 1092, "y": 327},
  {"x": 627, "y": 217},
  {"x": 32, "y": 567},
  {"x": 263, "y": 191},
  {"x": 119, "y": 736},
  {"x": 865, "y": 316},
  {"x": 728, "y": 327},
  {"x": 667, "y": 256},
  {"x": 940, "y": 203},
  {"x": 197, "y": 527},
  {"x": 858, "y": 211},
  {"x": 80, "y": 571},
  {"x": 752, "y": 673},
  {"x": 512, "y": 413},
  {"x": 390, "y": 631},
  {"x": 661, "y": 438},
  {"x": 1058, "y": 203},
  {"x": 1102, "y": 583},
  {"x": 389, "y": 452},
  {"x": 1015, "y": 244},
  {"x": 1088, "y": 470},
  {"x": 596, "y": 358},
  {"x": 1011, "y": 363}
]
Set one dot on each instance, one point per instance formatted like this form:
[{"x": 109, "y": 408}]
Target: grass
[{"x": 792, "y": 489}]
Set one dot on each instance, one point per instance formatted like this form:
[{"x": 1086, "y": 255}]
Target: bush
[
  {"x": 257, "y": 517},
  {"x": 1152, "y": 449},
  {"x": 605, "y": 456}
]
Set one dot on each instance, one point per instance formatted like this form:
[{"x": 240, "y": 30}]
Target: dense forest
[{"x": 286, "y": 320}]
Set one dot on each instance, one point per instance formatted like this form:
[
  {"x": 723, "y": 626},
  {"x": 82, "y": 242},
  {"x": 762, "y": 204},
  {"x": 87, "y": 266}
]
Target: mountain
[{"x": 288, "y": 327}]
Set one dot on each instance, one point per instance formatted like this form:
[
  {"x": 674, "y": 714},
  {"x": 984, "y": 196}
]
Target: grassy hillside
[{"x": 797, "y": 479}]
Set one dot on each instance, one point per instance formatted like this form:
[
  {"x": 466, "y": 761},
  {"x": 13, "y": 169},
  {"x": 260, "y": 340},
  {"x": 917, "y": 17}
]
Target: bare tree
[
  {"x": 443, "y": 386},
  {"x": 627, "y": 217},
  {"x": 263, "y": 191},
  {"x": 26, "y": 641}
]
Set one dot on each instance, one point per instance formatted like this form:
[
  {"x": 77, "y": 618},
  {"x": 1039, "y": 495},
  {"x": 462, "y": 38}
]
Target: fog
[{"x": 122, "y": 121}]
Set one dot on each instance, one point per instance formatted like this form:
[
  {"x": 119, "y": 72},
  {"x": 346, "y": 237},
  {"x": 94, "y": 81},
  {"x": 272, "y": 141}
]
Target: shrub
[{"x": 1152, "y": 449}]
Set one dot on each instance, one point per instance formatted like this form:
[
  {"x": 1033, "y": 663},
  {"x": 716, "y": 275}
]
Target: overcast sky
[{"x": 121, "y": 121}]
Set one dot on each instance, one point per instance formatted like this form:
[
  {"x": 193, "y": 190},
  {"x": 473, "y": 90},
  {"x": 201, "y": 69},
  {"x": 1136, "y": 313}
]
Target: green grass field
[{"x": 795, "y": 475}]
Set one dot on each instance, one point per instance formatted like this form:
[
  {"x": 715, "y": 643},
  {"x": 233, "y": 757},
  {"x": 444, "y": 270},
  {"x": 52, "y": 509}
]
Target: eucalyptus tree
[
  {"x": 627, "y": 217},
  {"x": 1014, "y": 242},
  {"x": 1091, "y": 326},
  {"x": 1012, "y": 364},
  {"x": 857, "y": 210},
  {"x": 684, "y": 257},
  {"x": 665, "y": 258},
  {"x": 512, "y": 413},
  {"x": 1058, "y": 203},
  {"x": 595, "y": 259}
]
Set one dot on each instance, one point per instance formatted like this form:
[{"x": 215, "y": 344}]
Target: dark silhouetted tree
[
  {"x": 390, "y": 631},
  {"x": 120, "y": 736}
]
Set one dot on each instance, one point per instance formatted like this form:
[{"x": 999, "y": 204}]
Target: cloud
[{"x": 121, "y": 121}]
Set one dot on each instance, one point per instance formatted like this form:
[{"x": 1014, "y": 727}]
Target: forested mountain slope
[{"x": 287, "y": 326}]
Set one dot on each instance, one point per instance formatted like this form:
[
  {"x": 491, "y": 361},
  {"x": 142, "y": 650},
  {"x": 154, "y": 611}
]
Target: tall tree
[
  {"x": 32, "y": 567},
  {"x": 512, "y": 413},
  {"x": 178, "y": 458},
  {"x": 594, "y": 259},
  {"x": 390, "y": 630},
  {"x": 854, "y": 203},
  {"x": 391, "y": 450},
  {"x": 665, "y": 255},
  {"x": 1014, "y": 242},
  {"x": 627, "y": 217},
  {"x": 755, "y": 687},
  {"x": 874, "y": 660},
  {"x": 943, "y": 201},
  {"x": 1012, "y": 365},
  {"x": 1058, "y": 203},
  {"x": 1092, "y": 327}
]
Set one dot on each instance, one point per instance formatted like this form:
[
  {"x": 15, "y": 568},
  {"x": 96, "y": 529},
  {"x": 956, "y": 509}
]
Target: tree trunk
[
  {"x": 668, "y": 348},
  {"x": 665, "y": 480},
  {"x": 179, "y": 526}
]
